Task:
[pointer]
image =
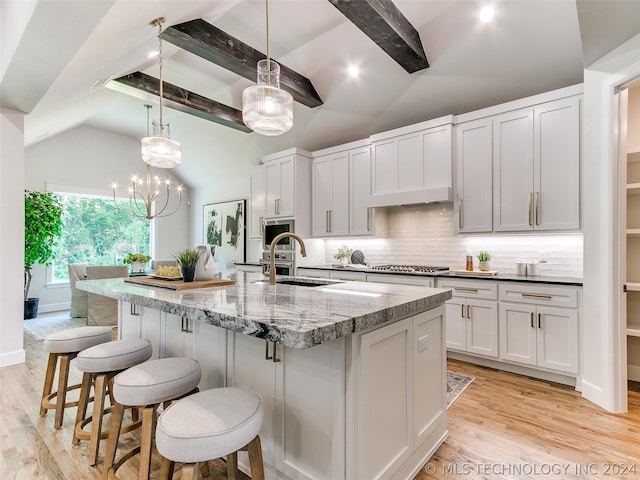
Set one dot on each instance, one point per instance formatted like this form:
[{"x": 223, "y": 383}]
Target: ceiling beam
[
  {"x": 211, "y": 43},
  {"x": 147, "y": 87},
  {"x": 383, "y": 23}
]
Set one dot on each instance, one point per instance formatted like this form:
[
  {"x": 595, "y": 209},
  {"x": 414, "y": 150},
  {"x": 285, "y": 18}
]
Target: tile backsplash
[{"x": 423, "y": 235}]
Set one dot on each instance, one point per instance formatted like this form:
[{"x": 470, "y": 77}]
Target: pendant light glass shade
[
  {"x": 160, "y": 151},
  {"x": 266, "y": 109}
]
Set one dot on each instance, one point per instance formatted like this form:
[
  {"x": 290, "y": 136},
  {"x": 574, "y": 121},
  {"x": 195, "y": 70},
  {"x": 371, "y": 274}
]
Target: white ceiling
[{"x": 54, "y": 50}]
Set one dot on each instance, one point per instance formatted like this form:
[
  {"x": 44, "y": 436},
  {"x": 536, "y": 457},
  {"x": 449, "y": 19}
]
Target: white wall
[
  {"x": 92, "y": 159},
  {"x": 603, "y": 332},
  {"x": 11, "y": 236},
  {"x": 633, "y": 121},
  {"x": 423, "y": 235}
]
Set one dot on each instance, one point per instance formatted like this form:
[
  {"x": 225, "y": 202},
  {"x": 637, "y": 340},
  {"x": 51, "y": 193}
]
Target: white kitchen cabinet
[
  {"x": 288, "y": 185},
  {"x": 257, "y": 203},
  {"x": 536, "y": 155},
  {"x": 330, "y": 195},
  {"x": 348, "y": 276},
  {"x": 313, "y": 272},
  {"x": 472, "y": 316},
  {"x": 472, "y": 204},
  {"x": 542, "y": 328},
  {"x": 303, "y": 430},
  {"x": 412, "y": 159},
  {"x": 401, "y": 279},
  {"x": 364, "y": 220}
]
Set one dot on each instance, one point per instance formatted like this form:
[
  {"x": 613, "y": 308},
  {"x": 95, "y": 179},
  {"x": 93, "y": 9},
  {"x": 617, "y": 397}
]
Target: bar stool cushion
[
  {"x": 76, "y": 339},
  {"x": 209, "y": 424},
  {"x": 114, "y": 356},
  {"x": 156, "y": 381}
]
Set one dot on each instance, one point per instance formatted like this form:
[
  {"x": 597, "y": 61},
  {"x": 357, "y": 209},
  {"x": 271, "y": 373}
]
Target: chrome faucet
[{"x": 272, "y": 258}]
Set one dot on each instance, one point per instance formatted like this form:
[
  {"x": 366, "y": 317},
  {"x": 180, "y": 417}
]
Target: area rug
[
  {"x": 456, "y": 383},
  {"x": 48, "y": 323}
]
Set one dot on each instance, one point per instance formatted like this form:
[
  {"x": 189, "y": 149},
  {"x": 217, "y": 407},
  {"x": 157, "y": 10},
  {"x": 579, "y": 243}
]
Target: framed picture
[{"x": 224, "y": 229}]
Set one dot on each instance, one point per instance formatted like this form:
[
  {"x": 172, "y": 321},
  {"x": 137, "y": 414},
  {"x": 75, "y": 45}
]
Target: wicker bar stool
[
  {"x": 146, "y": 386},
  {"x": 65, "y": 346},
  {"x": 208, "y": 425},
  {"x": 100, "y": 364}
]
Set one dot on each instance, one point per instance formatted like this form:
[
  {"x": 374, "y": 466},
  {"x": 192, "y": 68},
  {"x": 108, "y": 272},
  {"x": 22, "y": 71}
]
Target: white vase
[
  {"x": 484, "y": 266},
  {"x": 138, "y": 266},
  {"x": 343, "y": 260}
]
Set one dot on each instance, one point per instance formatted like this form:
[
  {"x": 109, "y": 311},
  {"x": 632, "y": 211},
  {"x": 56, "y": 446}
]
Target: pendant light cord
[
  {"x": 266, "y": 2},
  {"x": 160, "y": 62}
]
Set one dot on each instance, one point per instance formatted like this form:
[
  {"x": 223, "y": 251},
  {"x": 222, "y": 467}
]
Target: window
[{"x": 97, "y": 233}]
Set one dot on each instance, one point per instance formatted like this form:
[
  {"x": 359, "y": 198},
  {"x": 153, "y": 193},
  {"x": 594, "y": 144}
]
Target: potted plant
[
  {"x": 343, "y": 255},
  {"x": 187, "y": 259},
  {"x": 42, "y": 224},
  {"x": 137, "y": 261},
  {"x": 483, "y": 261}
]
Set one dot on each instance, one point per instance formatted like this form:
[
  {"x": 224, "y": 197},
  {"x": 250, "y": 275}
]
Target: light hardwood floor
[{"x": 504, "y": 426}]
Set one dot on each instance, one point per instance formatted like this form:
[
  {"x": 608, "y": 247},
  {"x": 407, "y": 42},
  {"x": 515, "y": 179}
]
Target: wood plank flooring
[{"x": 504, "y": 426}]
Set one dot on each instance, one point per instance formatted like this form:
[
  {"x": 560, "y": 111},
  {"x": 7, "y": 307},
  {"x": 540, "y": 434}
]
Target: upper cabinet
[
  {"x": 287, "y": 183},
  {"x": 412, "y": 164},
  {"x": 537, "y": 167},
  {"x": 472, "y": 203},
  {"x": 257, "y": 204},
  {"x": 517, "y": 165}
]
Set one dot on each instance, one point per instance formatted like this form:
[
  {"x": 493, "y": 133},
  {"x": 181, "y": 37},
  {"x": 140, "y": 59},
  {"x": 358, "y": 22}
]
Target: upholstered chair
[
  {"x": 79, "y": 298},
  {"x": 103, "y": 310}
]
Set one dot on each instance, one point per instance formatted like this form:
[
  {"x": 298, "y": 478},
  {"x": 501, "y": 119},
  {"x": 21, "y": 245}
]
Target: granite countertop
[
  {"x": 511, "y": 277},
  {"x": 295, "y": 316}
]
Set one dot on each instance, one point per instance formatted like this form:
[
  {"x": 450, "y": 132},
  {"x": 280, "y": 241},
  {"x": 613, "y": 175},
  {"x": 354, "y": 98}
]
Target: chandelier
[
  {"x": 159, "y": 150},
  {"x": 266, "y": 109},
  {"x": 149, "y": 196}
]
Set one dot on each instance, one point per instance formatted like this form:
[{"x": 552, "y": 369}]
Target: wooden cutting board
[{"x": 178, "y": 284}]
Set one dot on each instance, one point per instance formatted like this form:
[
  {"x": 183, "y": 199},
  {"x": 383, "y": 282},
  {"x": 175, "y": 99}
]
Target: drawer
[
  {"x": 539, "y": 295},
  {"x": 400, "y": 279},
  {"x": 312, "y": 272},
  {"x": 348, "y": 276},
  {"x": 470, "y": 288}
]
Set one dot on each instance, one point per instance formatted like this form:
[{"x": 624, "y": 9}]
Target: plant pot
[
  {"x": 31, "y": 308},
  {"x": 138, "y": 266},
  {"x": 484, "y": 266},
  {"x": 188, "y": 273},
  {"x": 343, "y": 261}
]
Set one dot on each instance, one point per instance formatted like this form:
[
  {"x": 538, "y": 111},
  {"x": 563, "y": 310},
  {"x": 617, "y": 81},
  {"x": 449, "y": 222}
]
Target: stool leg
[
  {"x": 255, "y": 459},
  {"x": 83, "y": 402},
  {"x": 48, "y": 380},
  {"x": 146, "y": 440},
  {"x": 204, "y": 469},
  {"x": 96, "y": 417},
  {"x": 232, "y": 466},
  {"x": 166, "y": 469},
  {"x": 61, "y": 397},
  {"x": 112, "y": 443},
  {"x": 190, "y": 471}
]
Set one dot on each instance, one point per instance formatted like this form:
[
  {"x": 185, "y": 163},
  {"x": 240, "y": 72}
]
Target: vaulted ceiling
[{"x": 53, "y": 51}]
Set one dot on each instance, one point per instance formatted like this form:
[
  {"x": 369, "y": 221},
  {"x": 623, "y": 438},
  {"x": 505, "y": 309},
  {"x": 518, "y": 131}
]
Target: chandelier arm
[
  {"x": 133, "y": 200},
  {"x": 174, "y": 210},
  {"x": 130, "y": 213},
  {"x": 166, "y": 202}
]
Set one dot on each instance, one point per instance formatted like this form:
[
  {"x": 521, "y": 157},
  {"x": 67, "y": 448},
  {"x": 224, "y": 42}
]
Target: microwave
[{"x": 273, "y": 228}]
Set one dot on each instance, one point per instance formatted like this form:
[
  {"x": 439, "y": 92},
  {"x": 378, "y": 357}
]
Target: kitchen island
[{"x": 352, "y": 374}]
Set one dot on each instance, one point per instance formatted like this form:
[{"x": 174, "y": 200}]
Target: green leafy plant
[
  {"x": 42, "y": 224},
  {"x": 136, "y": 257},
  {"x": 343, "y": 252},
  {"x": 484, "y": 256},
  {"x": 187, "y": 258}
]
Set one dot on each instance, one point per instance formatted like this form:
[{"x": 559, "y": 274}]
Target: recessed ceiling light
[
  {"x": 354, "y": 71},
  {"x": 486, "y": 14},
  {"x": 153, "y": 53}
]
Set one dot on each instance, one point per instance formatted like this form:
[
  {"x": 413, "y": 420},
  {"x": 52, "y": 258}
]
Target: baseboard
[
  {"x": 53, "y": 307},
  {"x": 12, "y": 358},
  {"x": 633, "y": 373}
]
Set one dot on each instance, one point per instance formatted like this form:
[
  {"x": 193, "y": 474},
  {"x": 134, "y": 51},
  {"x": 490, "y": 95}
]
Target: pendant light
[
  {"x": 266, "y": 109},
  {"x": 160, "y": 151}
]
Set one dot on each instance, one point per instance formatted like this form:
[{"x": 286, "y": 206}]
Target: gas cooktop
[{"x": 409, "y": 268}]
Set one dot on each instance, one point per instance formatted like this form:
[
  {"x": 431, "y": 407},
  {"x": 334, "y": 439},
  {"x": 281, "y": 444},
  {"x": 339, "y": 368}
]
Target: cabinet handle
[
  {"x": 185, "y": 325},
  {"x": 532, "y": 325},
  {"x": 134, "y": 310},
  {"x": 539, "y": 320},
  {"x": 530, "y": 211},
  {"x": 536, "y": 295},
  {"x": 465, "y": 289},
  {"x": 277, "y": 206},
  {"x": 275, "y": 352},
  {"x": 468, "y": 311},
  {"x": 368, "y": 219},
  {"x": 460, "y": 222},
  {"x": 537, "y": 208},
  {"x": 326, "y": 221},
  {"x": 462, "y": 310},
  {"x": 262, "y": 225},
  {"x": 330, "y": 221}
]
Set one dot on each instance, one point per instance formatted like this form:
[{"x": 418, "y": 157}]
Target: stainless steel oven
[
  {"x": 273, "y": 228},
  {"x": 284, "y": 262}
]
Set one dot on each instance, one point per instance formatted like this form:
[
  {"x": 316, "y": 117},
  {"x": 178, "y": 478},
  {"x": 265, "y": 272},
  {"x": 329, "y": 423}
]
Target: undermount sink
[{"x": 303, "y": 282}]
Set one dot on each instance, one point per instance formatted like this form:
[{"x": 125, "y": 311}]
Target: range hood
[{"x": 429, "y": 195}]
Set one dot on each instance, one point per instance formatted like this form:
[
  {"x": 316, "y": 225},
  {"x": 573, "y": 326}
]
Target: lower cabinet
[
  {"x": 303, "y": 393},
  {"x": 540, "y": 336},
  {"x": 472, "y": 316}
]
